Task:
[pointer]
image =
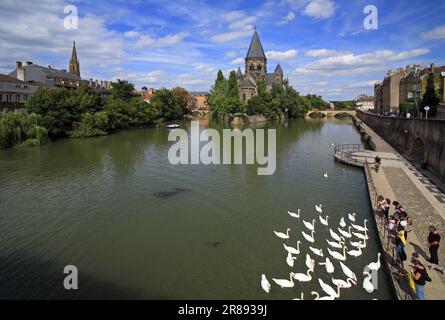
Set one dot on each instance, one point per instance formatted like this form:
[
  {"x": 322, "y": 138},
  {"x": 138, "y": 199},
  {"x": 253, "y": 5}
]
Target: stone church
[{"x": 256, "y": 69}]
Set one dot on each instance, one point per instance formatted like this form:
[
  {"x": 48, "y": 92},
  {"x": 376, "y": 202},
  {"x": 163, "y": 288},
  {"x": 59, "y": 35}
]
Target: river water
[{"x": 137, "y": 227}]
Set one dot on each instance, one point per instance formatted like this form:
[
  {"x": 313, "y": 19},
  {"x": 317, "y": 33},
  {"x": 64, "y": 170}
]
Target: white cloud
[
  {"x": 319, "y": 9},
  {"x": 147, "y": 40},
  {"x": 36, "y": 29},
  {"x": 237, "y": 61},
  {"x": 231, "y": 54},
  {"x": 201, "y": 67},
  {"x": 290, "y": 16},
  {"x": 240, "y": 26},
  {"x": 437, "y": 33},
  {"x": 281, "y": 55},
  {"x": 131, "y": 34},
  {"x": 233, "y": 15},
  {"x": 350, "y": 64},
  {"x": 233, "y": 35},
  {"x": 320, "y": 53}
]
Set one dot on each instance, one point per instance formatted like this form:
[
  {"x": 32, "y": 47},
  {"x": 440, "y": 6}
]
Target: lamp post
[{"x": 427, "y": 108}]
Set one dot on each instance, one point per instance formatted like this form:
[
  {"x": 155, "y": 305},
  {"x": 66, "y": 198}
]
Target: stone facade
[
  {"x": 364, "y": 102},
  {"x": 411, "y": 87},
  {"x": 255, "y": 69},
  {"x": 378, "y": 97},
  {"x": 14, "y": 93}
]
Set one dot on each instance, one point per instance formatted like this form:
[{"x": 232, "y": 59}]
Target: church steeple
[
  {"x": 256, "y": 60},
  {"x": 74, "y": 63},
  {"x": 255, "y": 48}
]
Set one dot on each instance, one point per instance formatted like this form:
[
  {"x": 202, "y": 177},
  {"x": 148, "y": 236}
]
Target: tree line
[
  {"x": 280, "y": 100},
  {"x": 60, "y": 112}
]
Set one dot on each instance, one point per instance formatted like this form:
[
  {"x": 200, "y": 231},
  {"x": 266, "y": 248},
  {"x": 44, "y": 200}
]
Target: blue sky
[{"x": 321, "y": 44}]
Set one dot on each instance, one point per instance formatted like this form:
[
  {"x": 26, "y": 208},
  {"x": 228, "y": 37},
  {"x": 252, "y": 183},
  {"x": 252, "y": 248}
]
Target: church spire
[
  {"x": 256, "y": 48},
  {"x": 74, "y": 63}
]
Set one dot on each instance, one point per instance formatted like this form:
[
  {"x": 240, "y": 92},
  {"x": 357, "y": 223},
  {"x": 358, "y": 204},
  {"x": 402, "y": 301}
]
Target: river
[{"x": 137, "y": 227}]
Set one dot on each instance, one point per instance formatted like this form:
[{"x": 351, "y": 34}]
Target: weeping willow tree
[{"x": 21, "y": 129}]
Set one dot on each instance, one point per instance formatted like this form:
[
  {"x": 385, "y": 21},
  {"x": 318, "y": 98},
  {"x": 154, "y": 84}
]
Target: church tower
[
  {"x": 74, "y": 63},
  {"x": 256, "y": 61}
]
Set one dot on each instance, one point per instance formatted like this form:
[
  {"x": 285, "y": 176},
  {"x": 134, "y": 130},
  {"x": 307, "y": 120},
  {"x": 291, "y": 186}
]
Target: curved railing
[{"x": 344, "y": 153}]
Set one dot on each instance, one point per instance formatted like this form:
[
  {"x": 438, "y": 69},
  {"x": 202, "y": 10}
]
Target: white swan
[
  {"x": 318, "y": 208},
  {"x": 265, "y": 284},
  {"x": 337, "y": 245},
  {"x": 284, "y": 283},
  {"x": 290, "y": 260},
  {"x": 355, "y": 253},
  {"x": 342, "y": 222},
  {"x": 301, "y": 297},
  {"x": 318, "y": 252},
  {"x": 294, "y": 215},
  {"x": 310, "y": 263},
  {"x": 292, "y": 249},
  {"x": 310, "y": 226},
  {"x": 359, "y": 244},
  {"x": 325, "y": 175},
  {"x": 334, "y": 235},
  {"x": 283, "y": 235},
  {"x": 324, "y": 221},
  {"x": 338, "y": 255},
  {"x": 352, "y": 216},
  {"x": 328, "y": 265},
  {"x": 375, "y": 266},
  {"x": 329, "y": 290},
  {"x": 309, "y": 238},
  {"x": 367, "y": 284},
  {"x": 344, "y": 233},
  {"x": 348, "y": 272},
  {"x": 361, "y": 236},
  {"x": 303, "y": 277},
  {"x": 317, "y": 296},
  {"x": 360, "y": 228},
  {"x": 344, "y": 284}
]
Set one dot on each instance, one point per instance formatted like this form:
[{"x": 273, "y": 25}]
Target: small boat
[{"x": 172, "y": 126}]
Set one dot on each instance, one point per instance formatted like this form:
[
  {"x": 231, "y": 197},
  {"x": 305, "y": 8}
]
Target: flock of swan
[{"x": 347, "y": 241}]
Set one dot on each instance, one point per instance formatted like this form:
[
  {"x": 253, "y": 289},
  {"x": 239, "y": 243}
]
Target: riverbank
[{"x": 400, "y": 180}]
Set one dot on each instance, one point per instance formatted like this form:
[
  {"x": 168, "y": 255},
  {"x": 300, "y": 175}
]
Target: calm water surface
[{"x": 137, "y": 227}]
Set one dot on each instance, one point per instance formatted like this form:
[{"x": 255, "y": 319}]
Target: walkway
[{"x": 400, "y": 180}]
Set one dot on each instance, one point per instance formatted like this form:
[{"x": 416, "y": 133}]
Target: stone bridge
[
  {"x": 423, "y": 140},
  {"x": 331, "y": 113}
]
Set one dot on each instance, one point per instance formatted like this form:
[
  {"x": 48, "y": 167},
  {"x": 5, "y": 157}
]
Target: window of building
[
  {"x": 25, "y": 97},
  {"x": 17, "y": 98},
  {"x": 1, "y": 98},
  {"x": 8, "y": 98},
  {"x": 244, "y": 96}
]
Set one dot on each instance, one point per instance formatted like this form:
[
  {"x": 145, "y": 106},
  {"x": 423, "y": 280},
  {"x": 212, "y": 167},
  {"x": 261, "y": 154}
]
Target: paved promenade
[{"x": 400, "y": 180}]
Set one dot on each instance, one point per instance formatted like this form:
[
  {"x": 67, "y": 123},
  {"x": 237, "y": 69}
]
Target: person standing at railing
[
  {"x": 433, "y": 244},
  {"x": 377, "y": 163}
]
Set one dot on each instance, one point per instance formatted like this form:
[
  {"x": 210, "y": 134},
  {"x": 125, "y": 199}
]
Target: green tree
[
  {"x": 430, "y": 97},
  {"x": 61, "y": 108},
  {"x": 122, "y": 90},
  {"x": 91, "y": 124},
  {"x": 21, "y": 129}
]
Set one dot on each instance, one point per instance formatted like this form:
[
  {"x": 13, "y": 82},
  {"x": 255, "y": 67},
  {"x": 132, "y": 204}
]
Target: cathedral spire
[
  {"x": 256, "y": 48},
  {"x": 74, "y": 63}
]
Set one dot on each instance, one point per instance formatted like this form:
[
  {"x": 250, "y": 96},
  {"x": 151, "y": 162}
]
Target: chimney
[
  {"x": 20, "y": 71},
  {"x": 432, "y": 67}
]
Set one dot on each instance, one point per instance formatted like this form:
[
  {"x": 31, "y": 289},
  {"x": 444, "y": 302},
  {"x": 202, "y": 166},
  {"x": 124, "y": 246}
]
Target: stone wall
[{"x": 419, "y": 138}]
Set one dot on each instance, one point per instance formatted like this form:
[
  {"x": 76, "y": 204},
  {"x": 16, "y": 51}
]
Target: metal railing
[{"x": 345, "y": 153}]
